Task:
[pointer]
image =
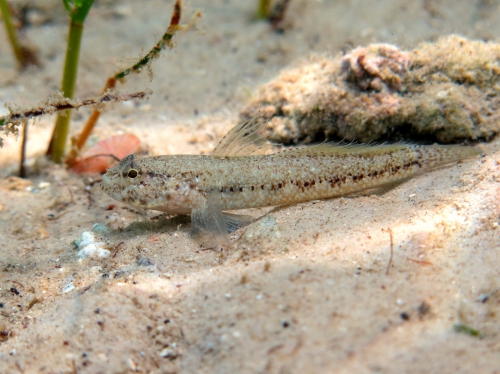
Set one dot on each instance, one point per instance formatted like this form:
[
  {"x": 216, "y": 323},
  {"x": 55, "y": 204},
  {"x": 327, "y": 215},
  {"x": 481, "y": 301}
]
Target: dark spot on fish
[
  {"x": 306, "y": 184},
  {"x": 177, "y": 187},
  {"x": 313, "y": 182},
  {"x": 262, "y": 187},
  {"x": 280, "y": 185},
  {"x": 143, "y": 202},
  {"x": 241, "y": 189},
  {"x": 335, "y": 180},
  {"x": 231, "y": 189},
  {"x": 252, "y": 188},
  {"x": 395, "y": 169},
  {"x": 192, "y": 186}
]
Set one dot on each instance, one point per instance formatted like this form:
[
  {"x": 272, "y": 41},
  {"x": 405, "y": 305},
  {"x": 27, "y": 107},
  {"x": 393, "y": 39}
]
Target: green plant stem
[
  {"x": 11, "y": 32},
  {"x": 264, "y": 9},
  {"x": 58, "y": 144}
]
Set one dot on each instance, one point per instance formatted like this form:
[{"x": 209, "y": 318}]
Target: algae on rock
[{"x": 447, "y": 91}]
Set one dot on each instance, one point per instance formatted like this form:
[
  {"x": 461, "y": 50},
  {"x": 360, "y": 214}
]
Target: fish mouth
[
  {"x": 105, "y": 183},
  {"x": 106, "y": 187}
]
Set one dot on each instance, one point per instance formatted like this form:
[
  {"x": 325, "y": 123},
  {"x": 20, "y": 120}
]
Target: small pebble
[{"x": 168, "y": 353}]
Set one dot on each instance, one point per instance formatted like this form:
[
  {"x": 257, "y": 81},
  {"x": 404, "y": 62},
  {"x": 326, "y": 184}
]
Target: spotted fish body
[{"x": 204, "y": 186}]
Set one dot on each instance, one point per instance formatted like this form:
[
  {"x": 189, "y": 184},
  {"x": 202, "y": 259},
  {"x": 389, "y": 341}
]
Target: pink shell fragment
[{"x": 119, "y": 146}]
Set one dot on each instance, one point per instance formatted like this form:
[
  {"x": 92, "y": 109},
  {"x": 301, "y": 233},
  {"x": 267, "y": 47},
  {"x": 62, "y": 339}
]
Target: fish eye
[{"x": 132, "y": 173}]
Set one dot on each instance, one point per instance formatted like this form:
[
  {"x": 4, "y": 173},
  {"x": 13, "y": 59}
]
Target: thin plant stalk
[
  {"x": 57, "y": 103},
  {"x": 22, "y": 164},
  {"x": 78, "y": 14},
  {"x": 263, "y": 9},
  {"x": 11, "y": 32},
  {"x": 12, "y": 122}
]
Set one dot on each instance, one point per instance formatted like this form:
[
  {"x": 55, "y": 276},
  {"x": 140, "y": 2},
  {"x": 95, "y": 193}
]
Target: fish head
[
  {"x": 123, "y": 179},
  {"x": 149, "y": 183}
]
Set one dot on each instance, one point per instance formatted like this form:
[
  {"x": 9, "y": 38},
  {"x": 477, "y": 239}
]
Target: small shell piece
[
  {"x": 118, "y": 146},
  {"x": 89, "y": 247}
]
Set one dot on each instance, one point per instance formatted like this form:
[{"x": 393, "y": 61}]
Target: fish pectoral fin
[
  {"x": 237, "y": 221},
  {"x": 208, "y": 223}
]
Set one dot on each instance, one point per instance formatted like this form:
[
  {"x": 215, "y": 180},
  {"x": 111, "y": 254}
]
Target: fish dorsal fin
[
  {"x": 243, "y": 140},
  {"x": 333, "y": 148}
]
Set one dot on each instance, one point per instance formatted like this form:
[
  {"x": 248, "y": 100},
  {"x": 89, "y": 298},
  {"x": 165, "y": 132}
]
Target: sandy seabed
[{"x": 306, "y": 289}]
